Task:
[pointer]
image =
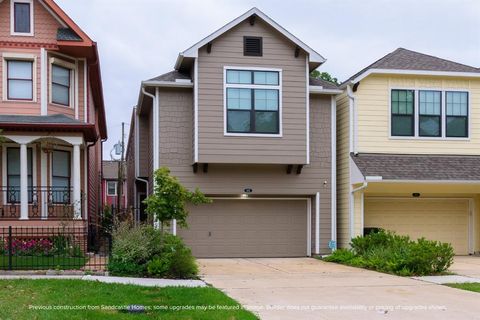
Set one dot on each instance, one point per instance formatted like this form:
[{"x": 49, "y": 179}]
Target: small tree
[
  {"x": 324, "y": 76},
  {"x": 169, "y": 199}
]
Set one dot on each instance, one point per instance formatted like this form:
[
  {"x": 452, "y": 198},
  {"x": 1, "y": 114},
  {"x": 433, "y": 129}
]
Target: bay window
[
  {"x": 61, "y": 85},
  {"x": 252, "y": 101},
  {"x": 19, "y": 80}
]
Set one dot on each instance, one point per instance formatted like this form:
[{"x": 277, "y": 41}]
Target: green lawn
[
  {"x": 19, "y": 297},
  {"x": 475, "y": 287},
  {"x": 43, "y": 263}
]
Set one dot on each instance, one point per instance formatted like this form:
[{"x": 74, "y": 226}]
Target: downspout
[
  {"x": 352, "y": 209},
  {"x": 353, "y": 120}
]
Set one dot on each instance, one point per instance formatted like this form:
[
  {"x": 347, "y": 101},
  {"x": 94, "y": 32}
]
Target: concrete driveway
[
  {"x": 306, "y": 288},
  {"x": 468, "y": 266}
]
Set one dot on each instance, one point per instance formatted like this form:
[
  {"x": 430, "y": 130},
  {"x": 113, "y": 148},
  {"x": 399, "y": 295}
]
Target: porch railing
[{"x": 43, "y": 203}]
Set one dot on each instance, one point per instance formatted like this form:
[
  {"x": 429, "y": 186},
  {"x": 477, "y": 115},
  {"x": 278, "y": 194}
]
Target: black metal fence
[{"x": 58, "y": 248}]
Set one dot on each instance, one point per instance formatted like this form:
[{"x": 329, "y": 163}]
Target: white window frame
[
  {"x": 252, "y": 86},
  {"x": 7, "y": 56},
  {"x": 73, "y": 71},
  {"x": 416, "y": 135},
  {"x": 116, "y": 186},
  {"x": 12, "y": 19}
]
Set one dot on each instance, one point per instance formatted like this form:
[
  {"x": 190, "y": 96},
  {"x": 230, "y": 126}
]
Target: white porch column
[
  {"x": 76, "y": 182},
  {"x": 23, "y": 182}
]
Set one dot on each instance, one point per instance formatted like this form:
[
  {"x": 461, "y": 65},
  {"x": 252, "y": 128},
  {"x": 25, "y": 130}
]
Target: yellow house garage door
[
  {"x": 247, "y": 228},
  {"x": 444, "y": 220}
]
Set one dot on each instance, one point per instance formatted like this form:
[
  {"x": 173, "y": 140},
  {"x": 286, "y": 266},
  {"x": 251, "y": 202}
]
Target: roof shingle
[
  {"x": 323, "y": 83},
  {"x": 403, "y": 59},
  {"x": 419, "y": 167},
  {"x": 171, "y": 76}
]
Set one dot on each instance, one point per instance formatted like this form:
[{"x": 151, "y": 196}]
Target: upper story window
[
  {"x": 403, "y": 112},
  {"x": 429, "y": 113},
  {"x": 253, "y": 46},
  {"x": 253, "y": 101},
  {"x": 61, "y": 85},
  {"x": 19, "y": 80},
  {"x": 21, "y": 16},
  {"x": 457, "y": 114}
]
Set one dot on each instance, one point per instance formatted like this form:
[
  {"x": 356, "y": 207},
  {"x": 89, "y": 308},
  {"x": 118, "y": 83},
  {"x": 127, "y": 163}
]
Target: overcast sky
[{"x": 141, "y": 39}]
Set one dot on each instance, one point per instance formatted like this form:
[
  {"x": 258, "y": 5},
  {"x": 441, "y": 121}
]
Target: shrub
[
  {"x": 141, "y": 250},
  {"x": 388, "y": 252}
]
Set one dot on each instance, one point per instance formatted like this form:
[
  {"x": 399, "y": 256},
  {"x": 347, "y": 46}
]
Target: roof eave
[
  {"x": 167, "y": 84},
  {"x": 192, "y": 52},
  {"x": 412, "y": 72},
  {"x": 321, "y": 90}
]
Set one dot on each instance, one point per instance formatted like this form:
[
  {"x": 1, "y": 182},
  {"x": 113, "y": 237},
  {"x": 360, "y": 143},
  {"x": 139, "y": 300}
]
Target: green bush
[
  {"x": 387, "y": 252},
  {"x": 141, "y": 251}
]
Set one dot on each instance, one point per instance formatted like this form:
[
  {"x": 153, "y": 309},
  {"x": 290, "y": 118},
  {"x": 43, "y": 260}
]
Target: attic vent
[{"x": 252, "y": 46}]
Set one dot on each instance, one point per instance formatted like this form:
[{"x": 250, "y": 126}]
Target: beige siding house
[
  {"x": 241, "y": 119},
  {"x": 408, "y": 150}
]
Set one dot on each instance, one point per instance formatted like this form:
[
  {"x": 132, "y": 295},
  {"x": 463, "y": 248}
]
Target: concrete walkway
[
  {"x": 306, "y": 288},
  {"x": 146, "y": 282}
]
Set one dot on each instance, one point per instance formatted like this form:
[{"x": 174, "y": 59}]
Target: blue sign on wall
[{"x": 332, "y": 244}]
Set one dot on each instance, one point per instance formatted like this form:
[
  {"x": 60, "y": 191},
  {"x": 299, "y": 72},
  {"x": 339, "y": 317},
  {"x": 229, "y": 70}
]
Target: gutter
[{"x": 321, "y": 90}]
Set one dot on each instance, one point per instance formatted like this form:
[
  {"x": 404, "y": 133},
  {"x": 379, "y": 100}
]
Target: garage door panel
[
  {"x": 444, "y": 220},
  {"x": 248, "y": 228}
]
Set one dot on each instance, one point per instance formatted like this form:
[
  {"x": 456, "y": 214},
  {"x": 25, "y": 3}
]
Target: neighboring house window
[
  {"x": 253, "y": 101},
  {"x": 253, "y": 46},
  {"x": 430, "y": 113},
  {"x": 111, "y": 188},
  {"x": 13, "y": 174},
  {"x": 61, "y": 85},
  {"x": 19, "y": 80},
  {"x": 403, "y": 113},
  {"x": 61, "y": 176},
  {"x": 21, "y": 17},
  {"x": 457, "y": 114}
]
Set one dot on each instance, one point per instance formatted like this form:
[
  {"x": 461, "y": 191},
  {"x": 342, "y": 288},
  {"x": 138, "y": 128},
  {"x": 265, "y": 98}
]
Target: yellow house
[{"x": 408, "y": 149}]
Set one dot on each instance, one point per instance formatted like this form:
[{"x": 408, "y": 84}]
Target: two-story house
[
  {"x": 241, "y": 119},
  {"x": 110, "y": 185},
  {"x": 51, "y": 116},
  {"x": 409, "y": 150}
]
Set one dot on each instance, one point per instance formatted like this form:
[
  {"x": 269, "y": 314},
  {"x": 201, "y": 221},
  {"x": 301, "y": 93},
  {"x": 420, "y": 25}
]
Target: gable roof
[
  {"x": 408, "y": 61},
  {"x": 418, "y": 167},
  {"x": 192, "y": 52},
  {"x": 71, "y": 38}
]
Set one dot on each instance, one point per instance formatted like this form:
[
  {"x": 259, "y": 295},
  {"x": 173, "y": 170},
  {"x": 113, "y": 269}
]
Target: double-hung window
[
  {"x": 19, "y": 80},
  {"x": 457, "y": 114},
  {"x": 253, "y": 101},
  {"x": 61, "y": 176},
  {"x": 13, "y": 174},
  {"x": 61, "y": 85},
  {"x": 403, "y": 113},
  {"x": 111, "y": 188},
  {"x": 21, "y": 17},
  {"x": 429, "y": 113}
]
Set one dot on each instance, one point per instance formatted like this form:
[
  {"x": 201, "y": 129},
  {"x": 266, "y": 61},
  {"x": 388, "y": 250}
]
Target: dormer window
[{"x": 21, "y": 17}]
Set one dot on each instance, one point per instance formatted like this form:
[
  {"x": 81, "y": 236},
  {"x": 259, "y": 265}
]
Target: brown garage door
[{"x": 248, "y": 228}]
